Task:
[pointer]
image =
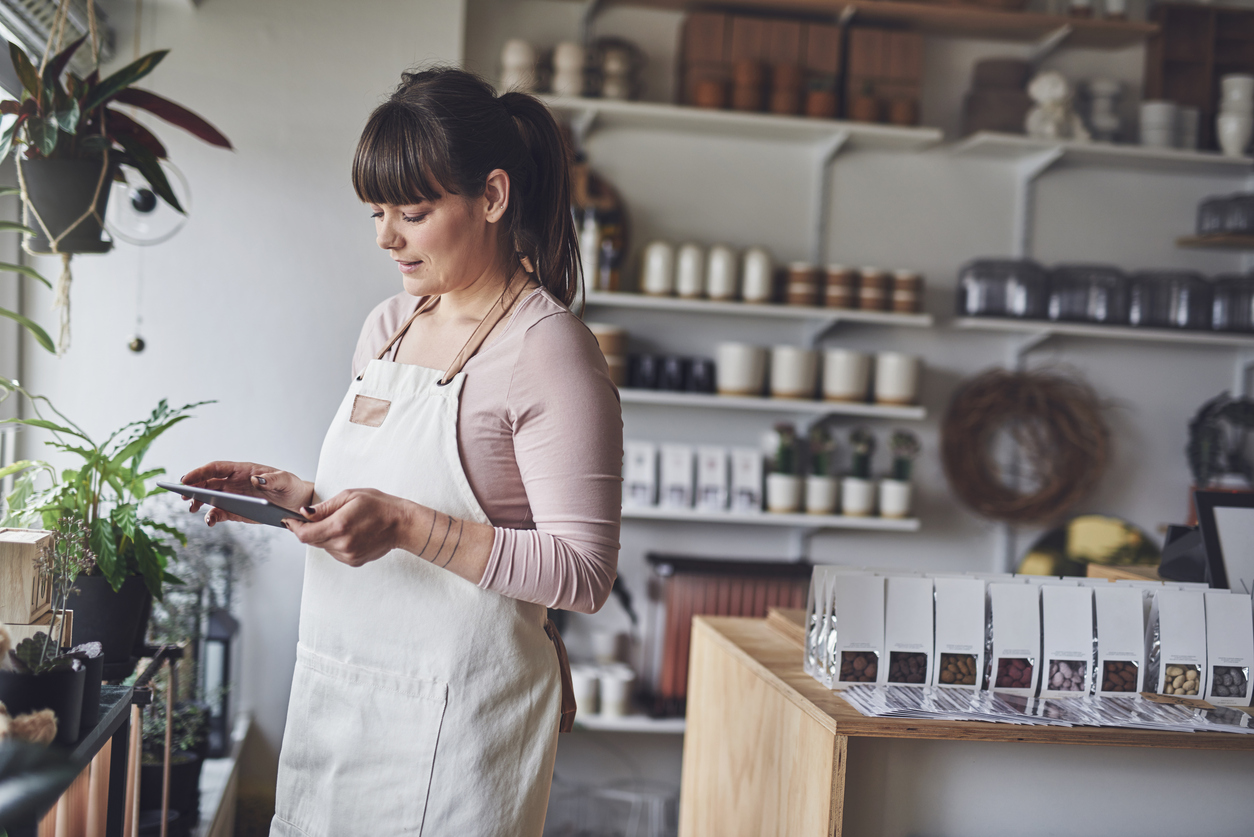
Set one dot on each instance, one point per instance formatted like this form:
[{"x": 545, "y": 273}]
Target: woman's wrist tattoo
[
  {"x": 434, "y": 515},
  {"x": 461, "y": 524}
]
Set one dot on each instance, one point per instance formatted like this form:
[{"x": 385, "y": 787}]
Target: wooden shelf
[
  {"x": 1224, "y": 241},
  {"x": 741, "y": 125},
  {"x": 618, "y": 299},
  {"x": 773, "y": 405},
  {"x": 800, "y": 521},
  {"x": 630, "y": 723},
  {"x": 1105, "y": 332},
  {"x": 993, "y": 145}
]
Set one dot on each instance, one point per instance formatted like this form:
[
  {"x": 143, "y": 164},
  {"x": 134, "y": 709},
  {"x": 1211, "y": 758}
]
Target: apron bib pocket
[{"x": 359, "y": 749}]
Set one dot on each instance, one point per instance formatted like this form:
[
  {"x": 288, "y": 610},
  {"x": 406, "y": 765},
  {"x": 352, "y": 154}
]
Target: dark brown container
[
  {"x": 841, "y": 287},
  {"x": 903, "y": 112},
  {"x": 864, "y": 108},
  {"x": 786, "y": 89},
  {"x": 821, "y": 104},
  {"x": 711, "y": 94},
  {"x": 907, "y": 292},
  {"x": 873, "y": 289},
  {"x": 802, "y": 286}
]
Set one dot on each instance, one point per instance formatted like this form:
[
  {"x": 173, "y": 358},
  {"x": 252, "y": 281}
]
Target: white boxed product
[
  {"x": 639, "y": 474},
  {"x": 1016, "y": 620},
  {"x": 678, "y": 476},
  {"x": 712, "y": 478},
  {"x": 746, "y": 479},
  {"x": 1177, "y": 642},
  {"x": 908, "y": 637},
  {"x": 856, "y": 641},
  {"x": 1067, "y": 640},
  {"x": 820, "y": 619},
  {"x": 1084, "y": 581},
  {"x": 1229, "y": 647},
  {"x": 1120, "y": 639},
  {"x": 960, "y": 620}
]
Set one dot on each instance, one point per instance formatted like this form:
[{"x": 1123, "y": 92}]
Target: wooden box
[
  {"x": 46, "y": 624},
  {"x": 25, "y": 592}
]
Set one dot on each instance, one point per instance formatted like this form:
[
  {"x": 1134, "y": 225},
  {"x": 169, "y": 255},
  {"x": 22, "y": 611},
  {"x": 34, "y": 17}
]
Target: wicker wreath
[{"x": 1054, "y": 422}]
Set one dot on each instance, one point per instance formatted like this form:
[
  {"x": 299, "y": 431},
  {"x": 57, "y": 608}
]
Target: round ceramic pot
[
  {"x": 615, "y": 686},
  {"x": 116, "y": 620},
  {"x": 657, "y": 276},
  {"x": 792, "y": 372},
  {"x": 894, "y": 498},
  {"x": 784, "y": 493},
  {"x": 60, "y": 191},
  {"x": 845, "y": 375},
  {"x": 585, "y": 682},
  {"x": 740, "y": 369},
  {"x": 1234, "y": 130},
  {"x": 757, "y": 280},
  {"x": 896, "y": 378},
  {"x": 822, "y": 494},
  {"x": 720, "y": 273},
  {"x": 857, "y": 497}
]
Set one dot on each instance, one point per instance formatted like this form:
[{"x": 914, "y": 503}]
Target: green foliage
[
  {"x": 785, "y": 445},
  {"x": 1217, "y": 437},
  {"x": 822, "y": 451},
  {"x": 862, "y": 443},
  {"x": 904, "y": 447},
  {"x": 39, "y": 655}
]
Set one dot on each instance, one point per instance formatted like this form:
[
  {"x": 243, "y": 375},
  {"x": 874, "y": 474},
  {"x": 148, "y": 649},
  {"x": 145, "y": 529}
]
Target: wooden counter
[{"x": 766, "y": 747}]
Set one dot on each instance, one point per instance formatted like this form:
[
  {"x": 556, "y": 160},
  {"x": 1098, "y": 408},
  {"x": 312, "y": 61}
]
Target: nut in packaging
[
  {"x": 1016, "y": 641},
  {"x": 1120, "y": 637},
  {"x": 960, "y": 632},
  {"x": 1176, "y": 647},
  {"x": 855, "y": 640},
  {"x": 1068, "y": 640},
  {"x": 908, "y": 636},
  {"x": 1229, "y": 648}
]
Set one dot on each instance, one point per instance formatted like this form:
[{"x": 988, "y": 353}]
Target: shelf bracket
[
  {"x": 586, "y": 20},
  {"x": 1020, "y": 349},
  {"x": 1049, "y": 44},
  {"x": 823, "y": 194},
  {"x": 581, "y": 126},
  {"x": 799, "y": 541},
  {"x": 1026, "y": 173}
]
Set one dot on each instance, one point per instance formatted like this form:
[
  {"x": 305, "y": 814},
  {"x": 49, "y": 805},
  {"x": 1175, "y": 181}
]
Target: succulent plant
[
  {"x": 784, "y": 444},
  {"x": 862, "y": 444},
  {"x": 904, "y": 447},
  {"x": 822, "y": 451}
]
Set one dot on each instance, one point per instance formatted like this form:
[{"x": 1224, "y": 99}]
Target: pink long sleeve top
[{"x": 540, "y": 431}]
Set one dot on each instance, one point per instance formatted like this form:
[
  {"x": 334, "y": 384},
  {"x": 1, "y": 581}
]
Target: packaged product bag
[
  {"x": 908, "y": 637},
  {"x": 1229, "y": 647},
  {"x": 856, "y": 636},
  {"x": 1120, "y": 639},
  {"x": 817, "y": 612},
  {"x": 1176, "y": 643},
  {"x": 712, "y": 478},
  {"x": 678, "y": 476},
  {"x": 1067, "y": 640},
  {"x": 960, "y": 630},
  {"x": 639, "y": 473},
  {"x": 1016, "y": 651},
  {"x": 746, "y": 479}
]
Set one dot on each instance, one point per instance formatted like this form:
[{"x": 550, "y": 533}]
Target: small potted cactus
[
  {"x": 895, "y": 490},
  {"x": 822, "y": 489},
  {"x": 858, "y": 490},
  {"x": 783, "y": 483}
]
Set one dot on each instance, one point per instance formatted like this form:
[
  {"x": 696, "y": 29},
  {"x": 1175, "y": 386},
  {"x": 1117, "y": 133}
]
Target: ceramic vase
[
  {"x": 822, "y": 494},
  {"x": 857, "y": 497},
  {"x": 895, "y": 498},
  {"x": 783, "y": 493}
]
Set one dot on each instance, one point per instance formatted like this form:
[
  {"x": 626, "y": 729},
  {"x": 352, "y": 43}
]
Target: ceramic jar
[
  {"x": 720, "y": 273},
  {"x": 657, "y": 272},
  {"x": 783, "y": 493},
  {"x": 822, "y": 494},
  {"x": 894, "y": 498},
  {"x": 841, "y": 288},
  {"x": 896, "y": 378},
  {"x": 846, "y": 374},
  {"x": 792, "y": 372},
  {"x": 518, "y": 66},
  {"x": 568, "y": 69},
  {"x": 690, "y": 271},
  {"x": 757, "y": 281},
  {"x": 857, "y": 497},
  {"x": 740, "y": 369}
]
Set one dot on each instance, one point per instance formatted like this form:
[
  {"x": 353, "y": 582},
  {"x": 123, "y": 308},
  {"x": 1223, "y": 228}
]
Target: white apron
[{"x": 421, "y": 704}]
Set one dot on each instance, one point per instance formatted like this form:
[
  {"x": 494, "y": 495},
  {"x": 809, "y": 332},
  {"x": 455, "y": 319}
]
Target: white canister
[
  {"x": 720, "y": 273},
  {"x": 690, "y": 271},
  {"x": 846, "y": 374},
  {"x": 822, "y": 494},
  {"x": 616, "y": 683},
  {"x": 896, "y": 378},
  {"x": 568, "y": 66},
  {"x": 605, "y": 646},
  {"x": 586, "y": 682},
  {"x": 1159, "y": 121},
  {"x": 740, "y": 369},
  {"x": 518, "y": 66},
  {"x": 783, "y": 493},
  {"x": 792, "y": 372},
  {"x": 894, "y": 498},
  {"x": 757, "y": 277},
  {"x": 1234, "y": 130},
  {"x": 1238, "y": 93},
  {"x": 857, "y": 497},
  {"x": 657, "y": 269}
]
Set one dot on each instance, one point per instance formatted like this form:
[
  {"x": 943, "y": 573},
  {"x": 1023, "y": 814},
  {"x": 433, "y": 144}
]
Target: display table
[{"x": 770, "y": 751}]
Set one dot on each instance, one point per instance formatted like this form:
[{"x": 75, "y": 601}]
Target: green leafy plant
[
  {"x": 862, "y": 444},
  {"x": 822, "y": 451},
  {"x": 904, "y": 447},
  {"x": 1217, "y": 440},
  {"x": 189, "y": 728},
  {"x": 784, "y": 442},
  {"x": 104, "y": 492},
  {"x": 41, "y": 336},
  {"x": 39, "y": 655},
  {"x": 62, "y": 116}
]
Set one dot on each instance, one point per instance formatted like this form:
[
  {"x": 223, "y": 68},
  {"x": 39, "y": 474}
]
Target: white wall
[{"x": 258, "y": 301}]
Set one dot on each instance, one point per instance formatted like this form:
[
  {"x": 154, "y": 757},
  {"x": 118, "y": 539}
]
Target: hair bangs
[{"x": 400, "y": 160}]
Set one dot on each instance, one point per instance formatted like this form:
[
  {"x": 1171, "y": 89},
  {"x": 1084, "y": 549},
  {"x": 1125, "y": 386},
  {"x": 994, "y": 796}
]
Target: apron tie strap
[{"x": 568, "y": 688}]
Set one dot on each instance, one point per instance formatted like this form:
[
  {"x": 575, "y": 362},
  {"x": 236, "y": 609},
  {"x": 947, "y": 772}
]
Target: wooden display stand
[{"x": 767, "y": 748}]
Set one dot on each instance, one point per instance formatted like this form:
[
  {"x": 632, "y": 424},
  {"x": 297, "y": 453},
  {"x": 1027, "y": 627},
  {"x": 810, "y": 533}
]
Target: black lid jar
[
  {"x": 1088, "y": 293},
  {"x": 1002, "y": 288},
  {"x": 1233, "y": 306},
  {"x": 1169, "y": 299}
]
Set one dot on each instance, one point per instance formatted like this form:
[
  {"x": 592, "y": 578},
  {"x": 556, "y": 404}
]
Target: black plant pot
[
  {"x": 115, "y": 620},
  {"x": 61, "y": 191},
  {"x": 60, "y": 691},
  {"x": 91, "y": 693},
  {"x": 184, "y": 786}
]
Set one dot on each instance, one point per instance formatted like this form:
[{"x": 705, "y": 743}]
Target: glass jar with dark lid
[
  {"x": 1169, "y": 299},
  {"x": 1088, "y": 293},
  {"x": 1002, "y": 288},
  {"x": 1233, "y": 305}
]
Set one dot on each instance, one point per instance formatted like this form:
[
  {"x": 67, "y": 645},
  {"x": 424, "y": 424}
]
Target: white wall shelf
[
  {"x": 1042, "y": 330},
  {"x": 699, "y": 400},
  {"x": 799, "y": 521},
  {"x": 1014, "y": 148},
  {"x": 630, "y": 723},
  {"x": 805, "y": 313}
]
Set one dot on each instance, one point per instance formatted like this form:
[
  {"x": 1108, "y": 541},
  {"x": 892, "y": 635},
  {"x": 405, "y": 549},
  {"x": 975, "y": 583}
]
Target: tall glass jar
[{"x": 1233, "y": 307}]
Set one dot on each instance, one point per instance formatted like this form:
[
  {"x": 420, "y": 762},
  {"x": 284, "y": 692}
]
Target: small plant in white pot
[
  {"x": 783, "y": 484},
  {"x": 857, "y": 491},
  {"x": 895, "y": 490},
  {"x": 822, "y": 489}
]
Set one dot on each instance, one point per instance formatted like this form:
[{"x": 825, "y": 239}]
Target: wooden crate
[
  {"x": 46, "y": 624},
  {"x": 25, "y": 592}
]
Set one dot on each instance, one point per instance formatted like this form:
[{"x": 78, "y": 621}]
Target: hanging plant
[{"x": 70, "y": 143}]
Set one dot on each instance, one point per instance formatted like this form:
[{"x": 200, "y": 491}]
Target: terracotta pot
[
  {"x": 903, "y": 112},
  {"x": 710, "y": 94}
]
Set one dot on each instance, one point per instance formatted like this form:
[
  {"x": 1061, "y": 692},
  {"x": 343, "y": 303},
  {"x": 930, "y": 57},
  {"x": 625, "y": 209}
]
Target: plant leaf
[
  {"x": 123, "y": 78},
  {"x": 173, "y": 532},
  {"x": 26, "y": 72},
  {"x": 105, "y": 547},
  {"x": 146, "y": 163},
  {"x": 67, "y": 117},
  {"x": 13, "y": 226},
  {"x": 175, "y": 114},
  {"x": 119, "y": 123},
  {"x": 25, "y": 270},
  {"x": 10, "y": 107},
  {"x": 151, "y": 565},
  {"x": 126, "y": 516},
  {"x": 45, "y": 425},
  {"x": 42, "y": 131},
  {"x": 52, "y": 72},
  {"x": 41, "y": 336},
  {"x": 20, "y": 465},
  {"x": 6, "y": 138}
]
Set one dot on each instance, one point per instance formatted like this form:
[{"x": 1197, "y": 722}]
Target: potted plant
[
  {"x": 783, "y": 484},
  {"x": 189, "y": 734},
  {"x": 895, "y": 490},
  {"x": 37, "y": 676},
  {"x": 857, "y": 491},
  {"x": 129, "y": 552},
  {"x": 822, "y": 489},
  {"x": 41, "y": 336}
]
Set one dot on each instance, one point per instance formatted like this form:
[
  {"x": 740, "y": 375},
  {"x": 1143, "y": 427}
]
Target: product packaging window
[
  {"x": 1229, "y": 647},
  {"x": 1120, "y": 638},
  {"x": 1067, "y": 640},
  {"x": 1016, "y": 622},
  {"x": 856, "y": 640},
  {"x": 746, "y": 479},
  {"x": 1177, "y": 642},
  {"x": 960, "y": 621},
  {"x": 908, "y": 636}
]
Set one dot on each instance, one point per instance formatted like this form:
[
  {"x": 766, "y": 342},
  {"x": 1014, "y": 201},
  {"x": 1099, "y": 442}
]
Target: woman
[{"x": 450, "y": 507}]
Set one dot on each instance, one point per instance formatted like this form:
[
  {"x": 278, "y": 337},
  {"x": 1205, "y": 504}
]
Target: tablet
[{"x": 254, "y": 508}]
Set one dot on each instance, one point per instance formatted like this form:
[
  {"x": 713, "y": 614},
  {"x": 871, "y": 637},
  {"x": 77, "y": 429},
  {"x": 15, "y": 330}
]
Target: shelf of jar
[
  {"x": 630, "y": 723},
  {"x": 761, "y": 310},
  {"x": 1223, "y": 241},
  {"x": 762, "y": 518},
  {"x": 1106, "y": 332},
  {"x": 990, "y": 144},
  {"x": 701, "y": 400},
  {"x": 615, "y": 113}
]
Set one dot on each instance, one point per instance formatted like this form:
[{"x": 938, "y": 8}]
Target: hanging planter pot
[{"x": 59, "y": 193}]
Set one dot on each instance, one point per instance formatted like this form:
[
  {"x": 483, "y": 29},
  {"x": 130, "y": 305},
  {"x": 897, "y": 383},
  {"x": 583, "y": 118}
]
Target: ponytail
[{"x": 444, "y": 130}]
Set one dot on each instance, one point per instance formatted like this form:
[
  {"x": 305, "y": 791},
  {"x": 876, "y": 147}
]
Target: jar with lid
[
  {"x": 1239, "y": 214},
  {"x": 841, "y": 288},
  {"x": 1169, "y": 299},
  {"x": 1003, "y": 288},
  {"x": 1233, "y": 305},
  {"x": 907, "y": 296},
  {"x": 873, "y": 289},
  {"x": 803, "y": 284},
  {"x": 1088, "y": 293}
]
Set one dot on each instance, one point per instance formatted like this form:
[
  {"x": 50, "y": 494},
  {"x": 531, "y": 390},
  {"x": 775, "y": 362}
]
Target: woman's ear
[{"x": 496, "y": 195}]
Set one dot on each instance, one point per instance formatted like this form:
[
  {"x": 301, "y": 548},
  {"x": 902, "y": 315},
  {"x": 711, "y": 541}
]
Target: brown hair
[{"x": 444, "y": 130}]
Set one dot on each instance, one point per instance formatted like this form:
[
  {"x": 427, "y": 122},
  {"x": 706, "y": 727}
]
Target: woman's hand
[
  {"x": 279, "y": 487},
  {"x": 359, "y": 525}
]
